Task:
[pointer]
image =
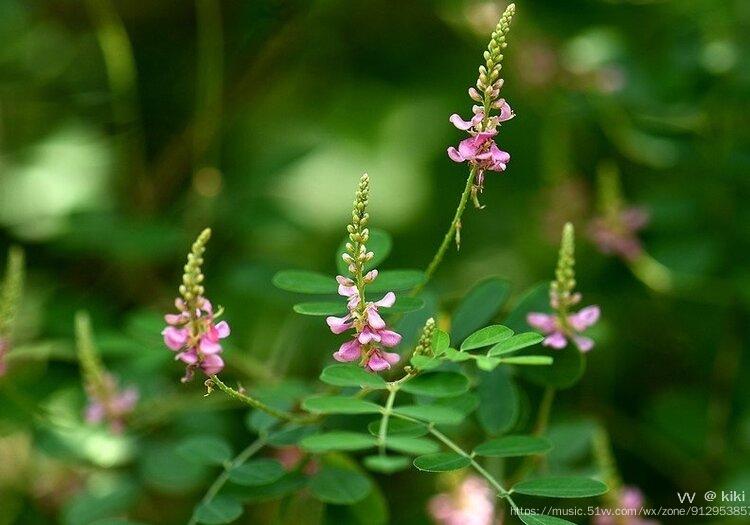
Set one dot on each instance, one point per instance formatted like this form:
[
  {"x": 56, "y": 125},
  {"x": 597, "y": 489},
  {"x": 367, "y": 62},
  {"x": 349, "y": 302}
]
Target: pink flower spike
[
  {"x": 389, "y": 338},
  {"x": 555, "y": 340},
  {"x": 339, "y": 325},
  {"x": 543, "y": 322},
  {"x": 584, "y": 318},
  {"x": 175, "y": 338},
  {"x": 349, "y": 351}
]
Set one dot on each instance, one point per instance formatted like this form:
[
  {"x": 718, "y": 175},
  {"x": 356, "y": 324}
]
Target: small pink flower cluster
[
  {"x": 559, "y": 329},
  {"x": 108, "y": 403},
  {"x": 618, "y": 235},
  {"x": 370, "y": 328},
  {"x": 480, "y": 149},
  {"x": 196, "y": 337},
  {"x": 630, "y": 503},
  {"x": 471, "y": 503}
]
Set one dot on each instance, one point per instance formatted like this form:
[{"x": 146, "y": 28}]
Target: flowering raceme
[
  {"x": 480, "y": 150},
  {"x": 371, "y": 333},
  {"x": 193, "y": 332},
  {"x": 108, "y": 403},
  {"x": 616, "y": 234},
  {"x": 561, "y": 326}
]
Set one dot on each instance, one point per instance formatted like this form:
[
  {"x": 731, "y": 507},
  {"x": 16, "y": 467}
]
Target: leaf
[
  {"x": 412, "y": 445},
  {"x": 399, "y": 427},
  {"x": 441, "y": 462},
  {"x": 479, "y": 306},
  {"x": 423, "y": 362},
  {"x": 339, "y": 486},
  {"x": 339, "y": 405},
  {"x": 431, "y": 413},
  {"x": 395, "y": 280},
  {"x": 386, "y": 464},
  {"x": 205, "y": 450},
  {"x": 351, "y": 375},
  {"x": 513, "y": 446},
  {"x": 321, "y": 308},
  {"x": 437, "y": 384},
  {"x": 287, "y": 484},
  {"x": 337, "y": 440},
  {"x": 290, "y": 436},
  {"x": 221, "y": 509},
  {"x": 498, "y": 401},
  {"x": 257, "y": 472},
  {"x": 488, "y": 364},
  {"x": 515, "y": 343},
  {"x": 528, "y": 360},
  {"x": 561, "y": 487},
  {"x": 565, "y": 371},
  {"x": 380, "y": 244},
  {"x": 542, "y": 519},
  {"x": 465, "y": 403},
  {"x": 440, "y": 342},
  {"x": 454, "y": 355},
  {"x": 486, "y": 337},
  {"x": 303, "y": 281}
]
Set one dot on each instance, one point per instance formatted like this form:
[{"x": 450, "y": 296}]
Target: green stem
[
  {"x": 449, "y": 235},
  {"x": 217, "y": 485},
  {"x": 383, "y": 431},
  {"x": 540, "y": 427},
  {"x": 255, "y": 403}
]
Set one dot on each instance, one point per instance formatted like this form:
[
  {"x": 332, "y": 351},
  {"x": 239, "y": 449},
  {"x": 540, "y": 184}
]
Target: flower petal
[
  {"x": 455, "y": 155},
  {"x": 555, "y": 340},
  {"x": 543, "y": 322},
  {"x": 349, "y": 351},
  {"x": 389, "y": 338},
  {"x": 212, "y": 365},
  {"x": 387, "y": 301},
  {"x": 584, "y": 318},
  {"x": 374, "y": 319},
  {"x": 222, "y": 329},
  {"x": 584, "y": 344},
  {"x": 460, "y": 123},
  {"x": 175, "y": 338},
  {"x": 339, "y": 325}
]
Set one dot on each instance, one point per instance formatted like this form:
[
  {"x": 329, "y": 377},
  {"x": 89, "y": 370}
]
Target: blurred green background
[{"x": 127, "y": 126}]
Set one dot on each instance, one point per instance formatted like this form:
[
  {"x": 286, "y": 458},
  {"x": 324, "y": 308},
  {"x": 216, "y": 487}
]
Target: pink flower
[
  {"x": 558, "y": 332},
  {"x": 371, "y": 330},
  {"x": 471, "y": 503},
  {"x": 196, "y": 338},
  {"x": 630, "y": 505},
  {"x": 482, "y": 151},
  {"x": 617, "y": 235},
  {"x": 107, "y": 403}
]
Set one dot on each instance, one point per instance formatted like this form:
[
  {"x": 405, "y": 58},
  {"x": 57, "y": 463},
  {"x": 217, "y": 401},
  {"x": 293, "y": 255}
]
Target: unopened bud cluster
[
  {"x": 561, "y": 289},
  {"x": 424, "y": 345},
  {"x": 356, "y": 255},
  {"x": 489, "y": 81},
  {"x": 192, "y": 288}
]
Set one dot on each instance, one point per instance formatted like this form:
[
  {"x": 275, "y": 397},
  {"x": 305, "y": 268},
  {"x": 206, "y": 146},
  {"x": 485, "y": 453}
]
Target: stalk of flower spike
[
  {"x": 106, "y": 401},
  {"x": 562, "y": 325},
  {"x": 10, "y": 297},
  {"x": 371, "y": 333},
  {"x": 193, "y": 332},
  {"x": 479, "y": 150}
]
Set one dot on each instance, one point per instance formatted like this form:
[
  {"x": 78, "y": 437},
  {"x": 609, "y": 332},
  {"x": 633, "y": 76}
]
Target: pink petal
[
  {"x": 584, "y": 318},
  {"x": 222, "y": 329},
  {"x": 555, "y": 340},
  {"x": 95, "y": 412},
  {"x": 209, "y": 346},
  {"x": 455, "y": 155},
  {"x": 377, "y": 363},
  {"x": 368, "y": 335},
  {"x": 370, "y": 276},
  {"x": 189, "y": 357},
  {"x": 339, "y": 325},
  {"x": 474, "y": 94},
  {"x": 460, "y": 123},
  {"x": 584, "y": 344},
  {"x": 212, "y": 365},
  {"x": 207, "y": 307},
  {"x": 387, "y": 301},
  {"x": 391, "y": 357},
  {"x": 175, "y": 338},
  {"x": 349, "y": 351},
  {"x": 175, "y": 318},
  {"x": 374, "y": 319},
  {"x": 506, "y": 113},
  {"x": 389, "y": 338},
  {"x": 543, "y": 322}
]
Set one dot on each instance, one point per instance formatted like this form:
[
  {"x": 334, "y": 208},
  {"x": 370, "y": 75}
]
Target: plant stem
[
  {"x": 255, "y": 403},
  {"x": 383, "y": 431},
  {"x": 540, "y": 427},
  {"x": 449, "y": 235},
  {"x": 240, "y": 459}
]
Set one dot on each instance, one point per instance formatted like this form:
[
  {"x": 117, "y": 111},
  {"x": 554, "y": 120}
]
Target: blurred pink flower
[
  {"x": 196, "y": 338},
  {"x": 630, "y": 503},
  {"x": 108, "y": 403},
  {"x": 471, "y": 503},
  {"x": 617, "y": 235}
]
